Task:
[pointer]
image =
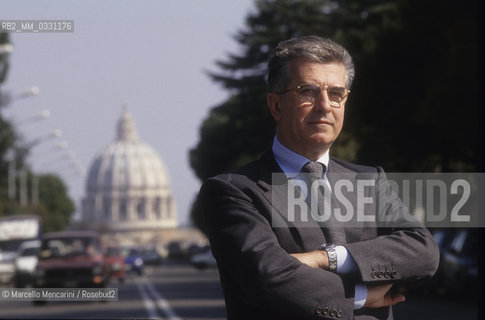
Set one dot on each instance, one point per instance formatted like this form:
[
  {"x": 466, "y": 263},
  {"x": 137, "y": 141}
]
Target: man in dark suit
[{"x": 276, "y": 263}]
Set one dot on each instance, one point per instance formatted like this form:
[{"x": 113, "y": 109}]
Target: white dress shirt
[{"x": 291, "y": 163}]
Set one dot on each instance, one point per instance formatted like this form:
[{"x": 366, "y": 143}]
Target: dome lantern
[{"x": 126, "y": 128}]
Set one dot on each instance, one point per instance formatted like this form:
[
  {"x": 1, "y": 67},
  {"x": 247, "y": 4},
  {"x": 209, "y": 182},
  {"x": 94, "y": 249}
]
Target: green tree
[
  {"x": 413, "y": 72},
  {"x": 6, "y": 143},
  {"x": 58, "y": 206},
  {"x": 4, "y": 41},
  {"x": 241, "y": 128},
  {"x": 54, "y": 204},
  {"x": 7, "y": 131},
  {"x": 415, "y": 103},
  {"x": 6, "y": 139},
  {"x": 55, "y": 207},
  {"x": 418, "y": 93}
]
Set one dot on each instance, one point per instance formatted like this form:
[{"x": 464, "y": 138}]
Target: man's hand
[
  {"x": 379, "y": 296},
  {"x": 314, "y": 259}
]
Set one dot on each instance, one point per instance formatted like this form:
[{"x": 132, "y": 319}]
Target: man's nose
[{"x": 323, "y": 102}]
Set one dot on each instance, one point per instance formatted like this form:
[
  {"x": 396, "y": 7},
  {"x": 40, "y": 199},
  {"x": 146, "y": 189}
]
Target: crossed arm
[
  {"x": 378, "y": 295},
  {"x": 254, "y": 259}
]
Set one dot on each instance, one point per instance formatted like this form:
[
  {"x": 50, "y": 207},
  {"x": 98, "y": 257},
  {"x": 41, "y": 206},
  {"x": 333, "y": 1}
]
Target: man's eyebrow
[{"x": 330, "y": 87}]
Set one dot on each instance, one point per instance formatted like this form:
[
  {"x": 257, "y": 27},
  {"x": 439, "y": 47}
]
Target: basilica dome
[
  {"x": 127, "y": 163},
  {"x": 128, "y": 185}
]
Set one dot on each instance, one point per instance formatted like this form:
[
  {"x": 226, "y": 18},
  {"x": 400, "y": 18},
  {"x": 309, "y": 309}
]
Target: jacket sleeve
[
  {"x": 404, "y": 251},
  {"x": 248, "y": 252}
]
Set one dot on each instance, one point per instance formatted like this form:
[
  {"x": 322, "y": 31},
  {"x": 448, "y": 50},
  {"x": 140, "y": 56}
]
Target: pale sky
[{"x": 152, "y": 54}]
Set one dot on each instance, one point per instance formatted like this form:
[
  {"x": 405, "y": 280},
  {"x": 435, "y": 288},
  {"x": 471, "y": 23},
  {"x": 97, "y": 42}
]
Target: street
[
  {"x": 166, "y": 292},
  {"x": 179, "y": 291}
]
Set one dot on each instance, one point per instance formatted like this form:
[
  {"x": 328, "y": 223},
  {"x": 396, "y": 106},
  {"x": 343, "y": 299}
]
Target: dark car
[
  {"x": 71, "y": 259},
  {"x": 151, "y": 256},
  {"x": 133, "y": 260},
  {"x": 460, "y": 263},
  {"x": 203, "y": 260},
  {"x": 177, "y": 250}
]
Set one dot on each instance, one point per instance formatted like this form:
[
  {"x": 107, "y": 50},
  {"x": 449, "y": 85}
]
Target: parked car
[
  {"x": 115, "y": 263},
  {"x": 460, "y": 263},
  {"x": 177, "y": 250},
  {"x": 15, "y": 230},
  {"x": 151, "y": 256},
  {"x": 25, "y": 263},
  {"x": 71, "y": 259},
  {"x": 7, "y": 267},
  {"x": 203, "y": 260},
  {"x": 133, "y": 260}
]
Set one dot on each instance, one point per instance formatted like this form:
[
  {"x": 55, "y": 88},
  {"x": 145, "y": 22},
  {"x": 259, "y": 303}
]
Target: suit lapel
[{"x": 275, "y": 191}]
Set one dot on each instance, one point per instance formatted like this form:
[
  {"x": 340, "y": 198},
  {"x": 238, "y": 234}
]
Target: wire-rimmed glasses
[{"x": 309, "y": 93}]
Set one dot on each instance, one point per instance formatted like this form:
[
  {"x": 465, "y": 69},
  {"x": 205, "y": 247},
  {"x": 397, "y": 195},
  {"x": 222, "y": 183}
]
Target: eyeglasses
[{"x": 309, "y": 93}]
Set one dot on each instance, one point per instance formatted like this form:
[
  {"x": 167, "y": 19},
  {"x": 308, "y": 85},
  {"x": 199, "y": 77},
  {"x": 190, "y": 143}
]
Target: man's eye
[
  {"x": 310, "y": 91},
  {"x": 335, "y": 94}
]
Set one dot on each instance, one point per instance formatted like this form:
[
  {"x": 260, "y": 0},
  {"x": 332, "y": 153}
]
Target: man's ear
[{"x": 273, "y": 100}]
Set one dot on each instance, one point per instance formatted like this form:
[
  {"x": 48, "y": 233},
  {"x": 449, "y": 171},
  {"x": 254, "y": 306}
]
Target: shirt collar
[{"x": 291, "y": 162}]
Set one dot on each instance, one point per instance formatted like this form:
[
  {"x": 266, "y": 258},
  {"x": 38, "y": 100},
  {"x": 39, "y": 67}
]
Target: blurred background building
[{"x": 128, "y": 186}]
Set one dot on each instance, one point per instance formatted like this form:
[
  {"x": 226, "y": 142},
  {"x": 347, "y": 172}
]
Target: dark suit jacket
[{"x": 261, "y": 280}]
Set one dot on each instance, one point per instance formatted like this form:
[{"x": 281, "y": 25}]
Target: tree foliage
[
  {"x": 415, "y": 103},
  {"x": 422, "y": 85},
  {"x": 7, "y": 131},
  {"x": 54, "y": 205},
  {"x": 59, "y": 206},
  {"x": 4, "y": 40}
]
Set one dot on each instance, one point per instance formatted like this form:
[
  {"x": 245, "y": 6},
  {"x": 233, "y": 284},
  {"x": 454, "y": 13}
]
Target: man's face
[{"x": 309, "y": 128}]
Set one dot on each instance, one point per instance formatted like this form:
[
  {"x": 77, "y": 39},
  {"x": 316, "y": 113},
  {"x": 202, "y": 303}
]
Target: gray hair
[{"x": 311, "y": 48}]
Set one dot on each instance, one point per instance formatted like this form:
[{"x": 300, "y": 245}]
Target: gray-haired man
[{"x": 275, "y": 268}]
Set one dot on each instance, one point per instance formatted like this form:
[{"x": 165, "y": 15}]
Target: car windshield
[
  {"x": 11, "y": 245},
  {"x": 66, "y": 247},
  {"x": 27, "y": 252}
]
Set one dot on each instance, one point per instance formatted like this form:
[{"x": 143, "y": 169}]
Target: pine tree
[
  {"x": 415, "y": 104},
  {"x": 241, "y": 128},
  {"x": 412, "y": 71}
]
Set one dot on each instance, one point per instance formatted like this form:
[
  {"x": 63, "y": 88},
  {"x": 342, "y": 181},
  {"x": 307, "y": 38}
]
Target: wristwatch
[{"x": 332, "y": 255}]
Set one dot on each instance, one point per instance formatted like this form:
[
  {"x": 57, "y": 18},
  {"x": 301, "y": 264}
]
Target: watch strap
[{"x": 332, "y": 256}]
